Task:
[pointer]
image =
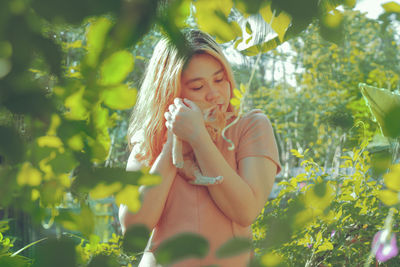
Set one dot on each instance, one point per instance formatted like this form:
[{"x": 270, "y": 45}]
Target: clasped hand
[{"x": 185, "y": 119}]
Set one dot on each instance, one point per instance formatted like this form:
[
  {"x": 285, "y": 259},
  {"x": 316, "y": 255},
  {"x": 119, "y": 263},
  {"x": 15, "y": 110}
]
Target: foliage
[
  {"x": 323, "y": 109},
  {"x": 321, "y": 219},
  {"x": 65, "y": 88},
  {"x": 7, "y": 258}
]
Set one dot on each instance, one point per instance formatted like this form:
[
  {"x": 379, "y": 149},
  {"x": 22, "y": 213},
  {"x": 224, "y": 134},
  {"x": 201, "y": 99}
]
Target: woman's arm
[
  {"x": 153, "y": 198},
  {"x": 241, "y": 196}
]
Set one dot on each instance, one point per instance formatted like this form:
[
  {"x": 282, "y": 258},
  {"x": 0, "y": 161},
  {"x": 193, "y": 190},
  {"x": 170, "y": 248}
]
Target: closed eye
[
  {"x": 220, "y": 79},
  {"x": 197, "y": 88}
]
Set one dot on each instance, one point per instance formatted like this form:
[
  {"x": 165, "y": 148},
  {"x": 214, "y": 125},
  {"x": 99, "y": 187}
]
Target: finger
[
  {"x": 167, "y": 116},
  {"x": 191, "y": 104},
  {"x": 168, "y": 125},
  {"x": 171, "y": 108},
  {"x": 178, "y": 102}
]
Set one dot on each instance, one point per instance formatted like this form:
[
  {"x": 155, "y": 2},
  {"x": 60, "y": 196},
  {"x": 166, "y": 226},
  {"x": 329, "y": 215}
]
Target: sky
[{"x": 372, "y": 7}]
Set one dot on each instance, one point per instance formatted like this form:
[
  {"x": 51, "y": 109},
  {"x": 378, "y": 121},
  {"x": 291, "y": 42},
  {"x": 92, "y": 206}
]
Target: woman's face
[{"x": 204, "y": 80}]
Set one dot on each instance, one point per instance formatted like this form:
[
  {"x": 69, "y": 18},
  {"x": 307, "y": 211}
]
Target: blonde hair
[{"x": 160, "y": 86}]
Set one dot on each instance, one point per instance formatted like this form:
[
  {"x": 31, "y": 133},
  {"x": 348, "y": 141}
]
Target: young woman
[{"x": 166, "y": 104}]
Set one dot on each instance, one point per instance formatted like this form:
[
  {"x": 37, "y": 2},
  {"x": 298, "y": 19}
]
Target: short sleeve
[{"x": 257, "y": 139}]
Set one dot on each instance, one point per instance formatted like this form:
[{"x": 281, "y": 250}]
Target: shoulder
[
  {"x": 255, "y": 118},
  {"x": 250, "y": 125}
]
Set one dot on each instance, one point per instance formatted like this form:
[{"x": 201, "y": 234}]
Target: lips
[
  {"x": 221, "y": 107},
  {"x": 212, "y": 115}
]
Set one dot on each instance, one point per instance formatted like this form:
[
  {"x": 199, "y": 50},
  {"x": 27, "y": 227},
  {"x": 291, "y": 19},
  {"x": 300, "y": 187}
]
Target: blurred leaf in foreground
[
  {"x": 135, "y": 239},
  {"x": 116, "y": 67},
  {"x": 391, "y": 7},
  {"x": 233, "y": 247},
  {"x": 103, "y": 261},
  {"x": 181, "y": 246},
  {"x": 385, "y": 106},
  {"x": 119, "y": 97},
  {"x": 16, "y": 261},
  {"x": 11, "y": 145},
  {"x": 390, "y": 196},
  {"x": 82, "y": 222},
  {"x": 55, "y": 252}
]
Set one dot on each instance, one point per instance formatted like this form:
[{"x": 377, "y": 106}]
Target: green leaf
[
  {"x": 320, "y": 189},
  {"x": 242, "y": 88},
  {"x": 235, "y": 102},
  {"x": 103, "y": 261},
  {"x": 116, "y": 67},
  {"x": 380, "y": 162},
  {"x": 392, "y": 178},
  {"x": 149, "y": 179},
  {"x": 33, "y": 102},
  {"x": 63, "y": 162},
  {"x": 319, "y": 197},
  {"x": 55, "y": 252},
  {"x": 271, "y": 259},
  {"x": 50, "y": 141},
  {"x": 95, "y": 39},
  {"x": 388, "y": 197},
  {"x": 181, "y": 246},
  {"x": 120, "y": 97},
  {"x": 74, "y": 11},
  {"x": 254, "y": 50},
  {"x": 296, "y": 153},
  {"x": 233, "y": 247},
  {"x": 391, "y": 7},
  {"x": 385, "y": 106},
  {"x": 100, "y": 147},
  {"x": 178, "y": 12},
  {"x": 17, "y": 261},
  {"x": 76, "y": 106},
  {"x": 279, "y": 23},
  {"x": 129, "y": 195},
  {"x": 28, "y": 175},
  {"x": 237, "y": 93},
  {"x": 83, "y": 222},
  {"x": 392, "y": 122},
  {"x": 102, "y": 190},
  {"x": 11, "y": 145},
  {"x": 212, "y": 18},
  {"x": 135, "y": 239},
  {"x": 248, "y": 28},
  {"x": 27, "y": 246},
  {"x": 278, "y": 233},
  {"x": 326, "y": 245},
  {"x": 332, "y": 27}
]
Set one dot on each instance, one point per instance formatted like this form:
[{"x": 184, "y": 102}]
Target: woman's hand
[{"x": 185, "y": 120}]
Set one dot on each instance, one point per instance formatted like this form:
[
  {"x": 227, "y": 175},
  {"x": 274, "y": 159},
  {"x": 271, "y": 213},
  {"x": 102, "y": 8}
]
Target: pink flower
[
  {"x": 333, "y": 233},
  {"x": 384, "y": 247},
  {"x": 301, "y": 185}
]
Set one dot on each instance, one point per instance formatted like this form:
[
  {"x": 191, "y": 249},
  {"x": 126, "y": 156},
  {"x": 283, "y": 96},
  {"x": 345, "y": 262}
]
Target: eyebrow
[{"x": 196, "y": 79}]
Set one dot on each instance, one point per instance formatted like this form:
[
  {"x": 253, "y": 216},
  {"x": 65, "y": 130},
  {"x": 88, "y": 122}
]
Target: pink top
[{"x": 190, "y": 208}]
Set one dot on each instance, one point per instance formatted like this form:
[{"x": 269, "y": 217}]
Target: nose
[{"x": 213, "y": 95}]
